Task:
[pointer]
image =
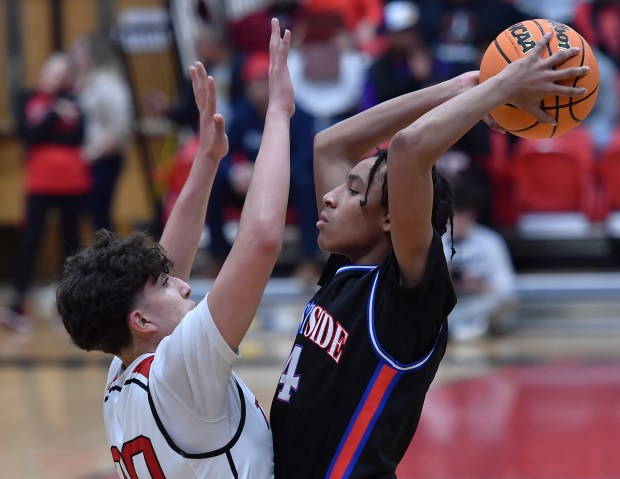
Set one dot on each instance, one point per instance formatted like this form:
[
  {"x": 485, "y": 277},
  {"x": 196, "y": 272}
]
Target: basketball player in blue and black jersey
[{"x": 371, "y": 340}]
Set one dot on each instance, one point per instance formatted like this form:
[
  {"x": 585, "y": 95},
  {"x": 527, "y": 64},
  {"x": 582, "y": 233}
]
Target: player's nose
[
  {"x": 328, "y": 199},
  {"x": 184, "y": 289}
]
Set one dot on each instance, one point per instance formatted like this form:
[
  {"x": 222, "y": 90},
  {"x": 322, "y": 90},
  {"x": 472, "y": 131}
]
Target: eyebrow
[{"x": 354, "y": 177}]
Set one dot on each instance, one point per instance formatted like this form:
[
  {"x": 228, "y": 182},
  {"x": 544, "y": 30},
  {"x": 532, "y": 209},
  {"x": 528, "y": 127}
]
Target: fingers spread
[
  {"x": 285, "y": 46},
  {"x": 491, "y": 123},
  {"x": 541, "y": 44},
  {"x": 541, "y": 116},
  {"x": 199, "y": 83},
  {"x": 561, "y": 56},
  {"x": 194, "y": 75},
  {"x": 219, "y": 124},
  {"x": 569, "y": 90},
  {"x": 275, "y": 40},
  {"x": 570, "y": 73},
  {"x": 211, "y": 97}
]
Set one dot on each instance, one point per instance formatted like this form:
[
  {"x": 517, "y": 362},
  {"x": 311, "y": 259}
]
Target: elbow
[
  {"x": 267, "y": 238},
  {"x": 409, "y": 141},
  {"x": 417, "y": 143},
  {"x": 321, "y": 144}
]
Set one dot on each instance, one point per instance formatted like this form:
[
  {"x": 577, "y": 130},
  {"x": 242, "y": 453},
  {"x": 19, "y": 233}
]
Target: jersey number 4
[
  {"x": 125, "y": 460},
  {"x": 289, "y": 380}
]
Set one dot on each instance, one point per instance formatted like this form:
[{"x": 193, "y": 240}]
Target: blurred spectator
[
  {"x": 361, "y": 18},
  {"x": 233, "y": 177},
  {"x": 51, "y": 126},
  {"x": 222, "y": 62},
  {"x": 327, "y": 70},
  {"x": 459, "y": 31},
  {"x": 603, "y": 119},
  {"x": 406, "y": 64},
  {"x": 105, "y": 99},
  {"x": 598, "y": 21},
  {"x": 563, "y": 11},
  {"x": 481, "y": 269}
]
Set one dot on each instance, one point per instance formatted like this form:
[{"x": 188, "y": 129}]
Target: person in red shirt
[{"x": 51, "y": 128}]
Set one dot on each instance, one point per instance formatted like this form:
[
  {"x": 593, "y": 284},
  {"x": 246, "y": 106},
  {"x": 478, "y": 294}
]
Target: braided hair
[{"x": 443, "y": 197}]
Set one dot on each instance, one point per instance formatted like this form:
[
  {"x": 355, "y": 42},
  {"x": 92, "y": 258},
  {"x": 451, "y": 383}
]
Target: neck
[
  {"x": 135, "y": 350},
  {"x": 374, "y": 256}
]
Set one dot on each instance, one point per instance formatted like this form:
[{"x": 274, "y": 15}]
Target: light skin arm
[
  {"x": 182, "y": 232},
  {"x": 414, "y": 150},
  {"x": 239, "y": 287}
]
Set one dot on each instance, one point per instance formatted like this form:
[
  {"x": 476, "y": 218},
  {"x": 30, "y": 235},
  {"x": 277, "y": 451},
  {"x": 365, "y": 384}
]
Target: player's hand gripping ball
[{"x": 515, "y": 42}]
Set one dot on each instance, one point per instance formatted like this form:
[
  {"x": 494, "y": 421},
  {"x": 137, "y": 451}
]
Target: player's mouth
[{"x": 322, "y": 220}]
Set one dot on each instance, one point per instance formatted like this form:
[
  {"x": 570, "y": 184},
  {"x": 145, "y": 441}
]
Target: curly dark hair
[
  {"x": 99, "y": 287},
  {"x": 443, "y": 198}
]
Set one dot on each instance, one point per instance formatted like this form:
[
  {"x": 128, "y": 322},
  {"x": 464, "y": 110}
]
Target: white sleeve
[
  {"x": 500, "y": 265},
  {"x": 191, "y": 381}
]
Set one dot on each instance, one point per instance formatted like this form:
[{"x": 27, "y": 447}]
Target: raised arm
[
  {"x": 239, "y": 287},
  {"x": 414, "y": 150},
  {"x": 341, "y": 146},
  {"x": 182, "y": 232}
]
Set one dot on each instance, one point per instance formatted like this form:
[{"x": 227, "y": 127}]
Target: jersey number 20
[{"x": 124, "y": 460}]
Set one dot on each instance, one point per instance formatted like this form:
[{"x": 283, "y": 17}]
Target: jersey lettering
[
  {"x": 138, "y": 447},
  {"x": 321, "y": 328},
  {"x": 289, "y": 380},
  {"x": 339, "y": 338},
  {"x": 308, "y": 309}
]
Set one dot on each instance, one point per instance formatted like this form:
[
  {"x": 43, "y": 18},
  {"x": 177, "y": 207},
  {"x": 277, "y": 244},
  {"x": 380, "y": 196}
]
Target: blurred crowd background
[{"x": 98, "y": 129}]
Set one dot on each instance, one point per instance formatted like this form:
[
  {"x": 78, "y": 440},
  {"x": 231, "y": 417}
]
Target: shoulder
[{"x": 115, "y": 369}]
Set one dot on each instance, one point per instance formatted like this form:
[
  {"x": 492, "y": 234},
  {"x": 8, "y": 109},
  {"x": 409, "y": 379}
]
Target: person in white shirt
[
  {"x": 481, "y": 269},
  {"x": 105, "y": 98},
  {"x": 173, "y": 407}
]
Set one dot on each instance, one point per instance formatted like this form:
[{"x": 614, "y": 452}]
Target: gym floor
[{"x": 542, "y": 402}]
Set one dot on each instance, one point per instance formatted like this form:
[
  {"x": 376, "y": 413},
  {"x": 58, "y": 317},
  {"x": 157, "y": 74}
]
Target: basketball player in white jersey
[{"x": 173, "y": 407}]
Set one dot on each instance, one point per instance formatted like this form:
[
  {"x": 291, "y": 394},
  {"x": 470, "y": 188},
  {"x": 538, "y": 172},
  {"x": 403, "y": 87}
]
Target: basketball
[{"x": 515, "y": 42}]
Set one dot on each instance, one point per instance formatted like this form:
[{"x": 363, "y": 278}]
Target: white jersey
[{"x": 182, "y": 413}]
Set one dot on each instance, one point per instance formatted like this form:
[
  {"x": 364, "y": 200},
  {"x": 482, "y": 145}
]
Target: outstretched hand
[
  {"x": 281, "y": 92},
  {"x": 532, "y": 78},
  {"x": 213, "y": 140}
]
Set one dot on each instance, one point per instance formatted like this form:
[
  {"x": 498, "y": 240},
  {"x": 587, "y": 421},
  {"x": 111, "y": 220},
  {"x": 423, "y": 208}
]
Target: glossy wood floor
[{"x": 534, "y": 404}]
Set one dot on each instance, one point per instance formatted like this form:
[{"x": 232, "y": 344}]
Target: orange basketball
[{"x": 512, "y": 44}]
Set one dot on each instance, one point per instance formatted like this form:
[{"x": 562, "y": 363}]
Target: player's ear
[
  {"x": 138, "y": 322},
  {"x": 386, "y": 222}
]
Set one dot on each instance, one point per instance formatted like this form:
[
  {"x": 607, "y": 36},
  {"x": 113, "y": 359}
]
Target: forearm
[
  {"x": 352, "y": 138},
  {"x": 434, "y": 132},
  {"x": 185, "y": 225},
  {"x": 266, "y": 202}
]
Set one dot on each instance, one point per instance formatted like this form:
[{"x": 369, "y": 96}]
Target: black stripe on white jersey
[{"x": 204, "y": 455}]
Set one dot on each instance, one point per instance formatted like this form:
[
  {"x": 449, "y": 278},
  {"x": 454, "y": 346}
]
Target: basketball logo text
[
  {"x": 560, "y": 33},
  {"x": 523, "y": 37}
]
